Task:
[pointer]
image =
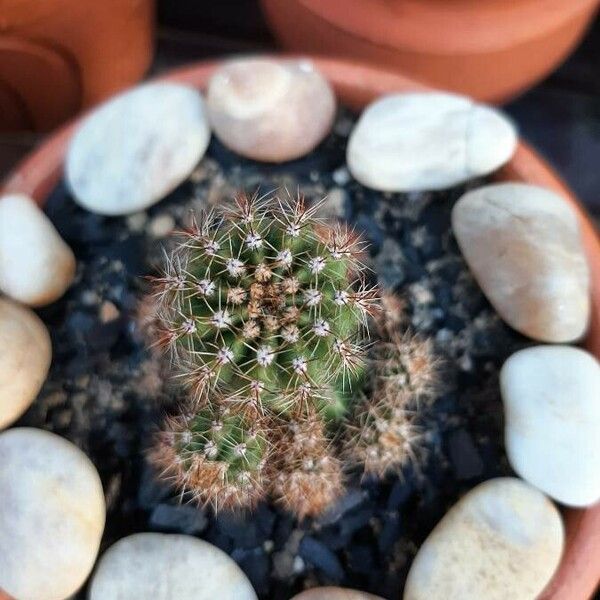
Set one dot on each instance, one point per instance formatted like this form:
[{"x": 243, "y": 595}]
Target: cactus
[
  {"x": 265, "y": 314},
  {"x": 262, "y": 309}
]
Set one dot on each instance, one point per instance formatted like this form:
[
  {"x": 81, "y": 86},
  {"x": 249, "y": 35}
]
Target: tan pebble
[
  {"x": 137, "y": 221},
  {"x": 169, "y": 567},
  {"x": 161, "y": 226},
  {"x": 131, "y": 151},
  {"x": 334, "y": 593},
  {"x": 427, "y": 141},
  {"x": 25, "y": 355},
  {"x": 108, "y": 312},
  {"x": 551, "y": 398},
  {"x": 36, "y": 266},
  {"x": 52, "y": 515},
  {"x": 270, "y": 110},
  {"x": 522, "y": 243},
  {"x": 503, "y": 539}
]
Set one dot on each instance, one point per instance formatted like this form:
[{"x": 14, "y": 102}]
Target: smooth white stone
[
  {"x": 136, "y": 148},
  {"x": 52, "y": 515},
  {"x": 167, "y": 567},
  {"x": 551, "y": 400},
  {"x": 334, "y": 593},
  {"x": 25, "y": 355},
  {"x": 522, "y": 243},
  {"x": 502, "y": 541},
  {"x": 36, "y": 266},
  {"x": 427, "y": 141},
  {"x": 270, "y": 110}
]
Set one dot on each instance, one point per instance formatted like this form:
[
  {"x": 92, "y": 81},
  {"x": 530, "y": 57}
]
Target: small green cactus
[
  {"x": 263, "y": 310},
  {"x": 265, "y": 314}
]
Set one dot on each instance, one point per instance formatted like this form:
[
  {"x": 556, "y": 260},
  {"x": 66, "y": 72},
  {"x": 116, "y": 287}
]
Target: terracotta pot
[
  {"x": 355, "y": 85},
  {"x": 488, "y": 49},
  {"x": 58, "y": 56}
]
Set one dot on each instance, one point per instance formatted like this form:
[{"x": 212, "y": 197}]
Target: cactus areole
[{"x": 263, "y": 309}]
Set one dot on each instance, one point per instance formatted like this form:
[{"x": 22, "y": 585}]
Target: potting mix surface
[{"x": 108, "y": 393}]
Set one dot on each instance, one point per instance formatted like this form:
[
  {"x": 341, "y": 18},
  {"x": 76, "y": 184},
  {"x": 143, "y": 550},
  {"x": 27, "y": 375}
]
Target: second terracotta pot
[
  {"x": 59, "y": 56},
  {"x": 488, "y": 49}
]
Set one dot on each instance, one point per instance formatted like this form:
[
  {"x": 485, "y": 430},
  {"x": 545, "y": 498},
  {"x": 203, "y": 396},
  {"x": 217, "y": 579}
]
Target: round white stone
[
  {"x": 25, "y": 355},
  {"x": 167, "y": 567},
  {"x": 51, "y": 515},
  {"x": 503, "y": 540},
  {"x": 427, "y": 141},
  {"x": 334, "y": 593},
  {"x": 36, "y": 266},
  {"x": 522, "y": 243},
  {"x": 551, "y": 400},
  {"x": 136, "y": 148},
  {"x": 270, "y": 110}
]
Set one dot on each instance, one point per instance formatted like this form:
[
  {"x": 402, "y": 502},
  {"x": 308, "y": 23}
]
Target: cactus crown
[{"x": 263, "y": 306}]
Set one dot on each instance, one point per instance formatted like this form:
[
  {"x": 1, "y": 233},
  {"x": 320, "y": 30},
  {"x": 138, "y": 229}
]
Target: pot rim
[
  {"x": 468, "y": 26},
  {"x": 356, "y": 85}
]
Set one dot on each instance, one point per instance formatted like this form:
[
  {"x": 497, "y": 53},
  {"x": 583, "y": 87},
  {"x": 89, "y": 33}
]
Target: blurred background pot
[
  {"x": 59, "y": 56},
  {"x": 489, "y": 49}
]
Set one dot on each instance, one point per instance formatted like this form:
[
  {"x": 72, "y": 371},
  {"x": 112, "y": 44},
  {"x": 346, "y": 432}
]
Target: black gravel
[{"x": 106, "y": 392}]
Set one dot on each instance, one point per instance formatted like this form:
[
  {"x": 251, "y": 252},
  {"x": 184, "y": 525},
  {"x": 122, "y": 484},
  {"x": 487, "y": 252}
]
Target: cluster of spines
[{"x": 263, "y": 311}]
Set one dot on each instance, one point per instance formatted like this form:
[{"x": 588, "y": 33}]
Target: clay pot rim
[
  {"x": 356, "y": 85},
  {"x": 468, "y": 26}
]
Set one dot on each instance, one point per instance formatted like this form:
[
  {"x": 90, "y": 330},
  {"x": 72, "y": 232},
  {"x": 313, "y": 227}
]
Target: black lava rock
[
  {"x": 321, "y": 558},
  {"x": 464, "y": 456}
]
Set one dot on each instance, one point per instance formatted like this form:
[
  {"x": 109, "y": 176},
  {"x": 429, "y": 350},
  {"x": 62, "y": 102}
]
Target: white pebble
[
  {"x": 167, "y": 567},
  {"x": 334, "y": 593},
  {"x": 427, "y": 141},
  {"x": 52, "y": 515},
  {"x": 36, "y": 266},
  {"x": 551, "y": 400},
  {"x": 25, "y": 355},
  {"x": 503, "y": 540},
  {"x": 161, "y": 226},
  {"x": 270, "y": 110},
  {"x": 522, "y": 243},
  {"x": 136, "y": 148}
]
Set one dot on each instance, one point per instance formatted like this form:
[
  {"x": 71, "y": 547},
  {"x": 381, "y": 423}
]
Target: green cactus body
[{"x": 260, "y": 307}]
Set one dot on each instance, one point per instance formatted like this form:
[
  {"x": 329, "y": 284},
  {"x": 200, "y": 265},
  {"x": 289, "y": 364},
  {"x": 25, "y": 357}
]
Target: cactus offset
[
  {"x": 216, "y": 454},
  {"x": 384, "y": 436},
  {"x": 307, "y": 477}
]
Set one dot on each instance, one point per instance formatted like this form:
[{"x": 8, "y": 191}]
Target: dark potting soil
[{"x": 108, "y": 394}]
